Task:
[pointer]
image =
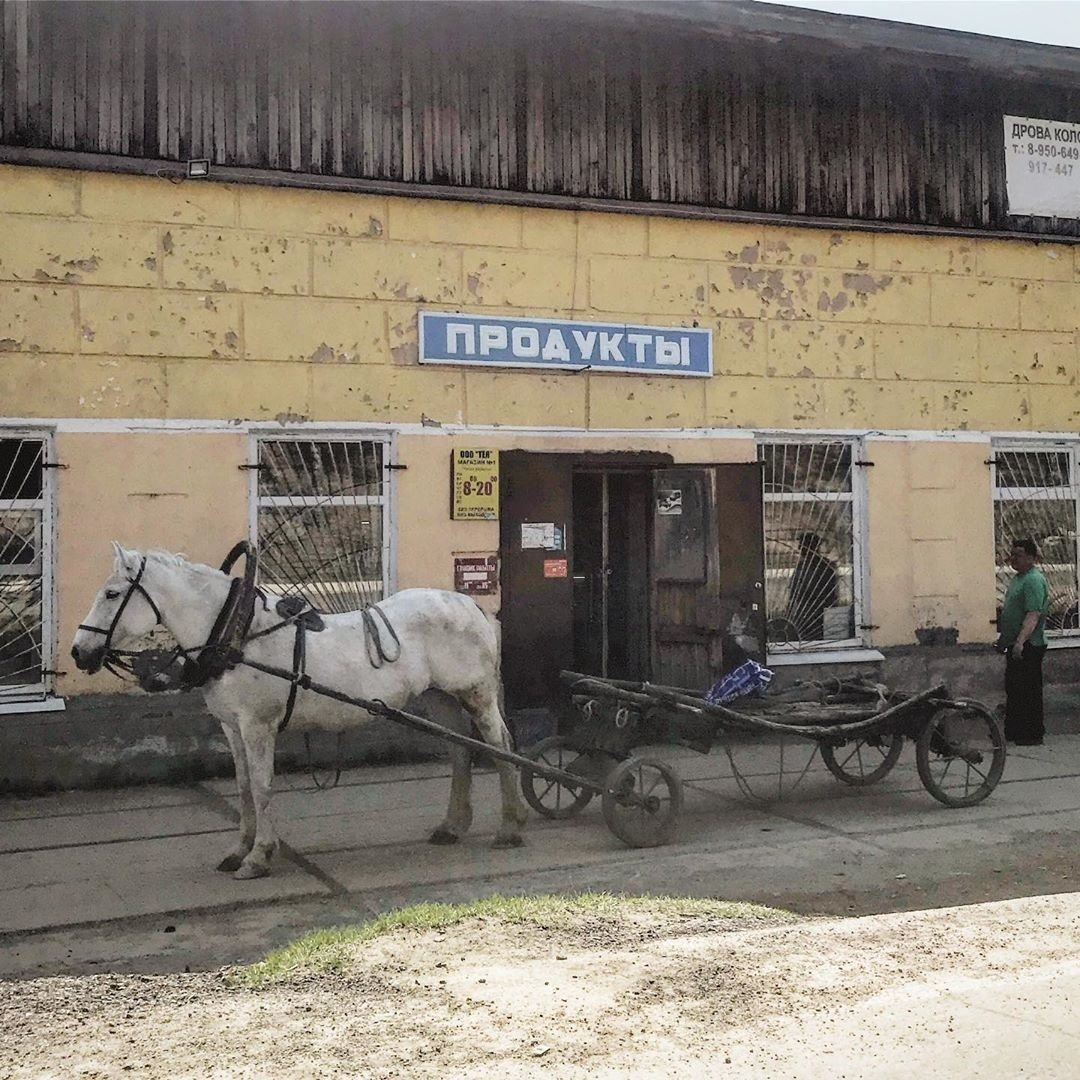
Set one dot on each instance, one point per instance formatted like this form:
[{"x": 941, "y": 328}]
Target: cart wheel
[
  {"x": 864, "y": 761},
  {"x": 552, "y": 798},
  {"x": 961, "y": 754},
  {"x": 643, "y": 801}
]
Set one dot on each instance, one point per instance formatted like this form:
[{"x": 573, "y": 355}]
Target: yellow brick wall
[
  {"x": 127, "y": 297},
  {"x": 930, "y": 540},
  {"x": 143, "y": 297},
  {"x": 174, "y": 491}
]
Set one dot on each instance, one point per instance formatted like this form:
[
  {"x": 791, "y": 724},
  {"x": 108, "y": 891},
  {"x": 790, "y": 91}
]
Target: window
[
  {"x": 321, "y": 520},
  {"x": 25, "y": 570},
  {"x": 1035, "y": 495},
  {"x": 813, "y": 561}
]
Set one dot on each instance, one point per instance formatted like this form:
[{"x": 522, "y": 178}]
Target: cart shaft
[{"x": 419, "y": 723}]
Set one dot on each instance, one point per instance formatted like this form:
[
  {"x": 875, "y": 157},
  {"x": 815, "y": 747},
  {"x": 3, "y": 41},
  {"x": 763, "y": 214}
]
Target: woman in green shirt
[{"x": 1022, "y": 626}]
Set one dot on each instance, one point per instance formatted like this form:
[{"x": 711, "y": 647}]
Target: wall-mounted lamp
[{"x": 198, "y": 169}]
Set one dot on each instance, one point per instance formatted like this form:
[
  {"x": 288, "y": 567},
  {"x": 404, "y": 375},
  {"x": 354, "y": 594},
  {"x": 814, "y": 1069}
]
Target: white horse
[{"x": 447, "y": 644}]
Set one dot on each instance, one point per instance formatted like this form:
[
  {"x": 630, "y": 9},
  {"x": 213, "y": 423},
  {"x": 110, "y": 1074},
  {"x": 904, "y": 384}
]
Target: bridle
[
  {"x": 202, "y": 662},
  {"x": 135, "y": 585}
]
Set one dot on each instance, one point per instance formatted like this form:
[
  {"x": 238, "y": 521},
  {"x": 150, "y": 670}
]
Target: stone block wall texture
[
  {"x": 141, "y": 297},
  {"x": 128, "y": 298}
]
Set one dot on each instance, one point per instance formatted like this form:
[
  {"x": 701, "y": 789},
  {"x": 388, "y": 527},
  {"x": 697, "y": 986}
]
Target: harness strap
[
  {"x": 214, "y": 657},
  {"x": 224, "y": 648},
  {"x": 299, "y": 676},
  {"x": 378, "y": 656},
  {"x": 303, "y": 617},
  {"x": 311, "y": 765}
]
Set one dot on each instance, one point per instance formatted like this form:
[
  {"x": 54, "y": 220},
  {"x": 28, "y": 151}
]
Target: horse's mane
[{"x": 173, "y": 558}]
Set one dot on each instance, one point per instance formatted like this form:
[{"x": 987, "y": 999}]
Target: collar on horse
[{"x": 224, "y": 648}]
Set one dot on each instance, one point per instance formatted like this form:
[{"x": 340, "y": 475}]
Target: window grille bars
[
  {"x": 1036, "y": 497},
  {"x": 22, "y": 562},
  {"x": 321, "y": 512},
  {"x": 811, "y": 563}
]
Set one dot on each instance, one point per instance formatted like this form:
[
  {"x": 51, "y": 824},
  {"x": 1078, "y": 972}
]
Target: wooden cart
[{"x": 858, "y": 727}]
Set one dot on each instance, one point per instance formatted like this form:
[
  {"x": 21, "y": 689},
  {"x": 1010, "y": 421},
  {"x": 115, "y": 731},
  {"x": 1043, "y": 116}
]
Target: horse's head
[{"x": 122, "y": 610}]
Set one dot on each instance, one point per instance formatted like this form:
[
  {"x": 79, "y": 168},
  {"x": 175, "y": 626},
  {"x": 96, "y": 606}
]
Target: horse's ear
[{"x": 125, "y": 560}]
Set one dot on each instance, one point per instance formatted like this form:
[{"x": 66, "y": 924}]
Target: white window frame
[
  {"x": 860, "y": 593},
  {"x": 39, "y": 696},
  {"x": 1068, "y": 638},
  {"x": 387, "y": 500}
]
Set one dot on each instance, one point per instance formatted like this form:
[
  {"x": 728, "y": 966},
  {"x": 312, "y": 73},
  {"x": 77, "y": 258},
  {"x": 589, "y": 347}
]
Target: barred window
[
  {"x": 25, "y": 570},
  {"x": 812, "y": 544},
  {"x": 1035, "y": 497},
  {"x": 321, "y": 520}
]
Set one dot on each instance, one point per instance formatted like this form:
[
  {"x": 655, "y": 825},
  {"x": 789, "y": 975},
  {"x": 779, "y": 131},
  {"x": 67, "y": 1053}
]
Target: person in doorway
[
  {"x": 1022, "y": 627},
  {"x": 813, "y": 588}
]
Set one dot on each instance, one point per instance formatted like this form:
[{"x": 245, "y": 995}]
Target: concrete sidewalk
[{"x": 83, "y": 858}]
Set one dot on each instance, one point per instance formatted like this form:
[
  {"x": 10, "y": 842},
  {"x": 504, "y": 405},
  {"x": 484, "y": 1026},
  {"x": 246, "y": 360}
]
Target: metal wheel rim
[
  {"x": 638, "y": 825},
  {"x": 957, "y": 779},
  {"x": 846, "y": 762},
  {"x": 547, "y": 797}
]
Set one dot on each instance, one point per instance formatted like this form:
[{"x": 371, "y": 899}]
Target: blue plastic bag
[{"x": 748, "y": 678}]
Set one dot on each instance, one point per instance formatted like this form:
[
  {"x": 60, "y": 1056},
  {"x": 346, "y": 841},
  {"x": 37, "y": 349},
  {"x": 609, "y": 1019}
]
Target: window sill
[
  {"x": 825, "y": 656},
  {"x": 52, "y": 704},
  {"x": 1063, "y": 643}
]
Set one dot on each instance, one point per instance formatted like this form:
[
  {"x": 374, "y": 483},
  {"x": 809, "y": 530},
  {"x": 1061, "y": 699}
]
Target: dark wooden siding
[{"x": 544, "y": 98}]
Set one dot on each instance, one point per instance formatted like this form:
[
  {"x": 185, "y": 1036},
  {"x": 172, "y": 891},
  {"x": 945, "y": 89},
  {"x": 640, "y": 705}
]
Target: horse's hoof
[
  {"x": 229, "y": 864},
  {"x": 443, "y": 836},
  {"x": 247, "y": 871},
  {"x": 513, "y": 840}
]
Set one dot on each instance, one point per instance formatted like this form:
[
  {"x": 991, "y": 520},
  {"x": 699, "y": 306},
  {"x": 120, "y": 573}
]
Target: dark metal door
[
  {"x": 536, "y": 517},
  {"x": 708, "y": 593}
]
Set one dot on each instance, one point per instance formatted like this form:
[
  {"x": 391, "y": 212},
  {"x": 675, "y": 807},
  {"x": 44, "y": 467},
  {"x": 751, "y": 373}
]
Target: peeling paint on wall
[{"x": 937, "y": 635}]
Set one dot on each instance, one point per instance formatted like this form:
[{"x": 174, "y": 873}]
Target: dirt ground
[{"x": 679, "y": 995}]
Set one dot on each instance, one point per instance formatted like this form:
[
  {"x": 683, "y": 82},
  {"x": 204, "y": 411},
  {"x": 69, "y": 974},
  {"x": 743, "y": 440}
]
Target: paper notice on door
[
  {"x": 543, "y": 535},
  {"x": 669, "y": 502}
]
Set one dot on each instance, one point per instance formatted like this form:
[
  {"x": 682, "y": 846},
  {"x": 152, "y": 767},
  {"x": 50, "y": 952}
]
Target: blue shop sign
[{"x": 492, "y": 341}]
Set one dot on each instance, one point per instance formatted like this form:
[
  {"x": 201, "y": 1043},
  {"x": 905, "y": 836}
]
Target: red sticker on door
[{"x": 555, "y": 568}]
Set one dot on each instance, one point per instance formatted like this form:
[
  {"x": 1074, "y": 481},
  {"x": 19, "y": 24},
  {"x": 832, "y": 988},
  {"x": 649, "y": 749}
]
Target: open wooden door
[{"x": 708, "y": 572}]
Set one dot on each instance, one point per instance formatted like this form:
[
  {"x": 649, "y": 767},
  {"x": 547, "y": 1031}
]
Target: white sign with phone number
[{"x": 1042, "y": 167}]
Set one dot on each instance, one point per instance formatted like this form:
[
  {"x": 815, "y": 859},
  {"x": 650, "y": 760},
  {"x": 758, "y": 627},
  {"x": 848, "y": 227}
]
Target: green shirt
[{"x": 1027, "y": 592}]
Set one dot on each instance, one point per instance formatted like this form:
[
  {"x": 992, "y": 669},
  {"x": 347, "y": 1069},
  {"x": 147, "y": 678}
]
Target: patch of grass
[{"x": 329, "y": 951}]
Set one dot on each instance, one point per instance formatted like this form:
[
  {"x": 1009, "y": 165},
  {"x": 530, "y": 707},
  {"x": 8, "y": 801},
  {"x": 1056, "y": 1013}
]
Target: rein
[{"x": 377, "y": 656}]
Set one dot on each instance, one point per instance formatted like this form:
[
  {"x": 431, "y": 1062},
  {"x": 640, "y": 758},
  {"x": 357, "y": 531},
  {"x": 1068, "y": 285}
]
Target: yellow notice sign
[{"x": 474, "y": 485}]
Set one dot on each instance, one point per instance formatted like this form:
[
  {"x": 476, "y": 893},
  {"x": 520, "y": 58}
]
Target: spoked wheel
[
  {"x": 552, "y": 798},
  {"x": 643, "y": 801},
  {"x": 961, "y": 754},
  {"x": 864, "y": 761}
]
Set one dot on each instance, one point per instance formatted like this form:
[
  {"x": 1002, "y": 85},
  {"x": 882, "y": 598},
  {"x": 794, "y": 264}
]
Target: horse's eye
[{"x": 111, "y": 594}]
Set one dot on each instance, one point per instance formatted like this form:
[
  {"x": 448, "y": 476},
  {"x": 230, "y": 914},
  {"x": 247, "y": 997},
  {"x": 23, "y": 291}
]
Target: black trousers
[{"x": 1024, "y": 694}]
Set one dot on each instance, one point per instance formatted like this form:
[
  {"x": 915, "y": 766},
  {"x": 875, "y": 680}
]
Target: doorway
[
  {"x": 611, "y": 572},
  {"x": 574, "y": 550},
  {"x": 627, "y": 567}
]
